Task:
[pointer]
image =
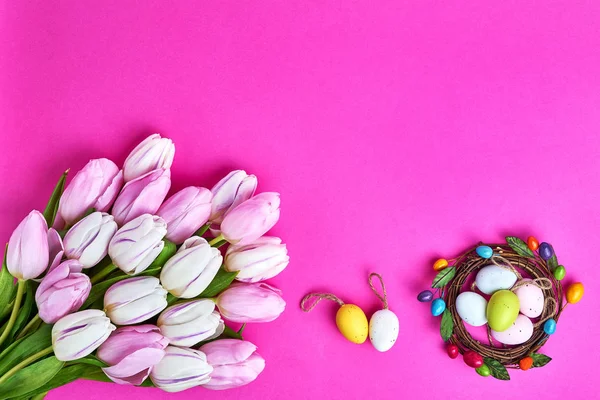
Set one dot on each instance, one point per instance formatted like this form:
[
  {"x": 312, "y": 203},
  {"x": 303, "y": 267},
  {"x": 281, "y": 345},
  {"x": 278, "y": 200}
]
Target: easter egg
[
  {"x": 473, "y": 359},
  {"x": 559, "y": 273},
  {"x": 532, "y": 243},
  {"x": 352, "y": 323},
  {"x": 519, "y": 332},
  {"x": 471, "y": 307},
  {"x": 550, "y": 327},
  {"x": 440, "y": 264},
  {"x": 575, "y": 292},
  {"x": 484, "y": 251},
  {"x": 383, "y": 330},
  {"x": 492, "y": 278},
  {"x": 526, "y": 363},
  {"x": 546, "y": 251},
  {"x": 484, "y": 371},
  {"x": 531, "y": 299},
  {"x": 452, "y": 350},
  {"x": 425, "y": 296},
  {"x": 437, "y": 307},
  {"x": 502, "y": 310}
]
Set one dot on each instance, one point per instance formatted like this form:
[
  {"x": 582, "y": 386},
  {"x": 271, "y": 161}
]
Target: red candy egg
[
  {"x": 473, "y": 359},
  {"x": 452, "y": 350},
  {"x": 532, "y": 243}
]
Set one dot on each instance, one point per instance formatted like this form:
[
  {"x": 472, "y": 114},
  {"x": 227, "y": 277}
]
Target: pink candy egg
[{"x": 531, "y": 300}]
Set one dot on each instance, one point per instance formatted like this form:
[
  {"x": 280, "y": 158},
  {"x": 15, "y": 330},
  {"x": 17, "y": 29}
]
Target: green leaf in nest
[
  {"x": 519, "y": 246},
  {"x": 447, "y": 325},
  {"x": 552, "y": 263},
  {"x": 443, "y": 277},
  {"x": 497, "y": 370},
  {"x": 539, "y": 360}
]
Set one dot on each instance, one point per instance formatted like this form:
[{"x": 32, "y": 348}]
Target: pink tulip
[
  {"x": 231, "y": 191},
  {"x": 143, "y": 195},
  {"x": 55, "y": 247},
  {"x": 153, "y": 153},
  {"x": 95, "y": 186},
  {"x": 28, "y": 255},
  {"x": 62, "y": 291},
  {"x": 235, "y": 363},
  {"x": 251, "y": 219},
  {"x": 250, "y": 302},
  {"x": 185, "y": 212},
  {"x": 131, "y": 352}
]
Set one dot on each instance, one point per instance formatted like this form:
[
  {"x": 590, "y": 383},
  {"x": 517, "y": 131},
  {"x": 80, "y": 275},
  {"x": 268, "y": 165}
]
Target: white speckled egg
[
  {"x": 383, "y": 329},
  {"x": 531, "y": 299},
  {"x": 471, "y": 307},
  {"x": 492, "y": 278},
  {"x": 520, "y": 331}
]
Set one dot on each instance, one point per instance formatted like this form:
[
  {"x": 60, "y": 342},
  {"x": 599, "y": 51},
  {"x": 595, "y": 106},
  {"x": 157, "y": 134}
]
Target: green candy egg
[
  {"x": 502, "y": 310},
  {"x": 484, "y": 370},
  {"x": 559, "y": 273}
]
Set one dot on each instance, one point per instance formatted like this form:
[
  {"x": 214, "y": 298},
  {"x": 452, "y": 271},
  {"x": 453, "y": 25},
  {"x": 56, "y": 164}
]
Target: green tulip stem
[
  {"x": 25, "y": 363},
  {"x": 103, "y": 273},
  {"x": 202, "y": 229},
  {"x": 15, "y": 311},
  {"x": 29, "y": 326},
  {"x": 40, "y": 396},
  {"x": 216, "y": 240}
]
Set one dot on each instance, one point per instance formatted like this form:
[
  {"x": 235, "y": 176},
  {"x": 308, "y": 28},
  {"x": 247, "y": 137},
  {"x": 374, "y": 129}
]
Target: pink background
[{"x": 396, "y": 132}]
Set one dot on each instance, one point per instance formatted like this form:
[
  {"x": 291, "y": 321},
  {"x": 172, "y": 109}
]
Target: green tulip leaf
[
  {"x": 497, "y": 370},
  {"x": 30, "y": 378},
  {"x": 447, "y": 325},
  {"x": 443, "y": 277},
  {"x": 91, "y": 360},
  {"x": 539, "y": 360},
  {"x": 25, "y": 347},
  {"x": 7, "y": 286},
  {"x": 68, "y": 374},
  {"x": 221, "y": 282},
  {"x": 519, "y": 246},
  {"x": 52, "y": 206},
  {"x": 167, "y": 252}
]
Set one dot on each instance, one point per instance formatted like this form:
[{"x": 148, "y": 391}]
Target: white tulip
[
  {"x": 190, "y": 323},
  {"x": 259, "y": 261},
  {"x": 153, "y": 153},
  {"x": 181, "y": 369},
  {"x": 134, "y": 300},
  {"x": 79, "y": 334},
  {"x": 87, "y": 241}
]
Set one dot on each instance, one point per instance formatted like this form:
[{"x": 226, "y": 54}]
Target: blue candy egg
[
  {"x": 425, "y": 296},
  {"x": 437, "y": 307},
  {"x": 550, "y": 326},
  {"x": 484, "y": 251},
  {"x": 546, "y": 251}
]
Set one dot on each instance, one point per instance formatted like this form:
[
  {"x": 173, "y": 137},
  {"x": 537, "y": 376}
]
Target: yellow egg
[
  {"x": 440, "y": 264},
  {"x": 574, "y": 292},
  {"x": 352, "y": 323}
]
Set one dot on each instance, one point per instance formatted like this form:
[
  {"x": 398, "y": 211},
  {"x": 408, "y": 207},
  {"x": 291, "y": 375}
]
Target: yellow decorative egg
[
  {"x": 352, "y": 323},
  {"x": 502, "y": 310}
]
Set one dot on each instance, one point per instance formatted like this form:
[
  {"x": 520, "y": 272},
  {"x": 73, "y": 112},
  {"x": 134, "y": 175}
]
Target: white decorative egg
[
  {"x": 383, "y": 329},
  {"x": 520, "y": 331},
  {"x": 471, "y": 306},
  {"x": 531, "y": 299},
  {"x": 492, "y": 278}
]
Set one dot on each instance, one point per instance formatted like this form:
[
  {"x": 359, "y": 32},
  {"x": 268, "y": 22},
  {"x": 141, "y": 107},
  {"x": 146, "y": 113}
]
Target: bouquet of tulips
[{"x": 113, "y": 283}]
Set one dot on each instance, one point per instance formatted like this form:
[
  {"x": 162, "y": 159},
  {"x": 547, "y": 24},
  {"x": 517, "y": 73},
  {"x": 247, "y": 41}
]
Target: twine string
[
  {"x": 379, "y": 296},
  {"x": 507, "y": 265},
  {"x": 317, "y": 299},
  {"x": 542, "y": 283},
  {"x": 547, "y": 306}
]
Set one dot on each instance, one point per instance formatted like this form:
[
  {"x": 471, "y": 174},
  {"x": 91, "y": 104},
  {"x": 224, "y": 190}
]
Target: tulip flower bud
[
  {"x": 235, "y": 363},
  {"x": 95, "y": 186},
  {"x": 143, "y": 195},
  {"x": 191, "y": 269},
  {"x": 189, "y": 323},
  {"x": 27, "y": 256},
  {"x": 134, "y": 300},
  {"x": 250, "y": 302},
  {"x": 131, "y": 352},
  {"x": 181, "y": 369},
  {"x": 87, "y": 241},
  {"x": 185, "y": 212},
  {"x": 62, "y": 291},
  {"x": 251, "y": 219},
  {"x": 135, "y": 246},
  {"x": 153, "y": 153},
  {"x": 78, "y": 335},
  {"x": 55, "y": 248},
  {"x": 261, "y": 260},
  {"x": 231, "y": 191}
]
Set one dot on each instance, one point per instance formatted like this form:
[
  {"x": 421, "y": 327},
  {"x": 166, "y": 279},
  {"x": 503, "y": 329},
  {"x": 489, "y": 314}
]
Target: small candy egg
[
  {"x": 559, "y": 273},
  {"x": 425, "y": 296},
  {"x": 575, "y": 292},
  {"x": 452, "y": 350},
  {"x": 383, "y": 330},
  {"x": 484, "y": 371},
  {"x": 531, "y": 299},
  {"x": 502, "y": 310},
  {"x": 484, "y": 251},
  {"x": 550, "y": 327},
  {"x": 532, "y": 243},
  {"x": 546, "y": 251},
  {"x": 352, "y": 323},
  {"x": 437, "y": 307},
  {"x": 473, "y": 359},
  {"x": 520, "y": 332},
  {"x": 471, "y": 308},
  {"x": 440, "y": 264},
  {"x": 492, "y": 278},
  {"x": 526, "y": 363}
]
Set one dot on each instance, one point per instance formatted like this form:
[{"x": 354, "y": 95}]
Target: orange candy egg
[
  {"x": 532, "y": 243},
  {"x": 574, "y": 293},
  {"x": 440, "y": 264},
  {"x": 526, "y": 363}
]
